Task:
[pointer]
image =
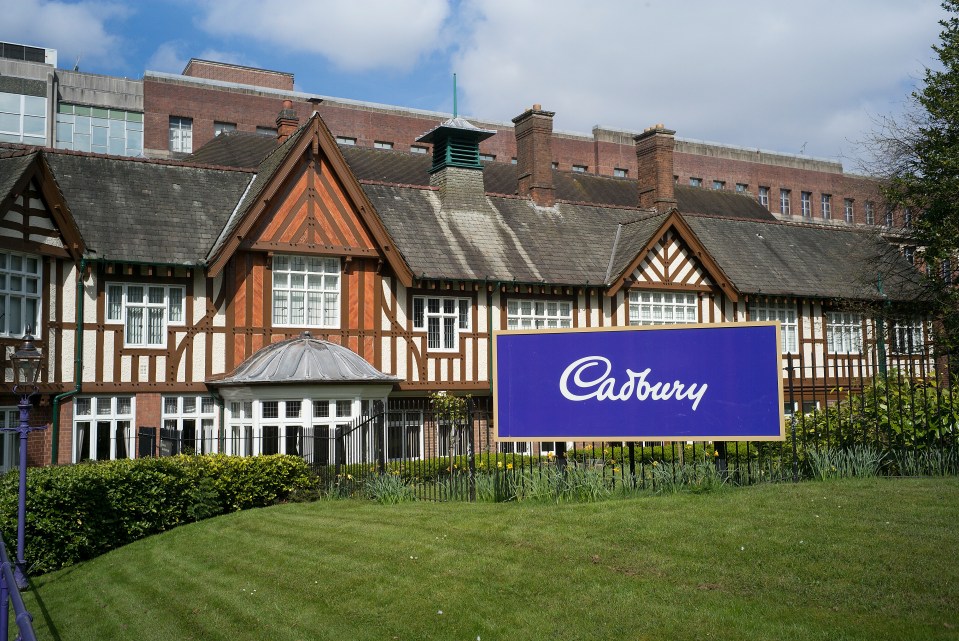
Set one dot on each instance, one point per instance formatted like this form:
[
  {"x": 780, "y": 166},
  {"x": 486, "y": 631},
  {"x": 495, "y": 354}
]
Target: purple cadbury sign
[{"x": 697, "y": 382}]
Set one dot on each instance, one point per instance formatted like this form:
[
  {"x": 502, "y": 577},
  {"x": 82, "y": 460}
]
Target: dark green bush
[{"x": 77, "y": 512}]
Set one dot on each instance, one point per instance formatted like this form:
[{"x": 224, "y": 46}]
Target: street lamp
[{"x": 26, "y": 371}]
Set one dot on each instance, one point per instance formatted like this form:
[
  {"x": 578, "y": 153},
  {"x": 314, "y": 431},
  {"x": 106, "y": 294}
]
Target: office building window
[
  {"x": 443, "y": 319},
  {"x": 306, "y": 291},
  {"x": 662, "y": 308},
  {"x": 266, "y": 131},
  {"x": 764, "y": 197},
  {"x": 826, "y": 206},
  {"x": 20, "y": 288},
  {"x": 843, "y": 333},
  {"x": 345, "y": 140},
  {"x": 847, "y": 210},
  {"x": 487, "y": 157},
  {"x": 907, "y": 218},
  {"x": 101, "y": 131},
  {"x": 719, "y": 184},
  {"x": 382, "y": 144},
  {"x": 580, "y": 169},
  {"x": 741, "y": 188},
  {"x": 889, "y": 218},
  {"x": 221, "y": 127},
  {"x": 695, "y": 182},
  {"x": 554, "y": 165},
  {"x": 181, "y": 135},
  {"x": 23, "y": 119},
  {"x": 416, "y": 149},
  {"x": 910, "y": 254},
  {"x": 538, "y": 314},
  {"x": 870, "y": 213},
  {"x": 784, "y": 208},
  {"x": 619, "y": 172},
  {"x": 806, "y": 202}
]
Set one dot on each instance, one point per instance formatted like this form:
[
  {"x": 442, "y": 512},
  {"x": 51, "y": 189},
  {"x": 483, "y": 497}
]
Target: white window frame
[
  {"x": 764, "y": 196},
  {"x": 21, "y": 292},
  {"x": 179, "y": 412},
  {"x": 805, "y": 200},
  {"x": 417, "y": 149},
  {"x": 382, "y": 144},
  {"x": 907, "y": 336},
  {"x": 307, "y": 291},
  {"x": 843, "y": 333},
  {"x": 619, "y": 172},
  {"x": 136, "y": 331},
  {"x": 785, "y": 206},
  {"x": 580, "y": 169},
  {"x": 99, "y": 130},
  {"x": 345, "y": 140},
  {"x": 788, "y": 322},
  {"x": 443, "y": 318},
  {"x": 538, "y": 314},
  {"x": 848, "y": 211},
  {"x": 870, "y": 213},
  {"x": 826, "y": 206},
  {"x": 181, "y": 135},
  {"x": 103, "y": 416},
  {"x": 662, "y": 308}
]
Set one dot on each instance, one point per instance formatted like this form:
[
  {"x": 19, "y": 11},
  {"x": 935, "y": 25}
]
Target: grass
[{"x": 852, "y": 559}]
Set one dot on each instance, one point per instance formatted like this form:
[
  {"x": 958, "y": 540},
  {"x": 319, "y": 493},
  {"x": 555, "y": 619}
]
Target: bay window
[{"x": 103, "y": 428}]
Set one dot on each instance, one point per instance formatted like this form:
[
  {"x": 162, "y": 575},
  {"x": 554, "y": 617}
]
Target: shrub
[{"x": 77, "y": 512}]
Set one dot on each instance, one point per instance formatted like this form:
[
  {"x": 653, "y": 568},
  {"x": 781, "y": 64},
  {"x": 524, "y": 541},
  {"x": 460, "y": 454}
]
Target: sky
[{"x": 809, "y": 77}]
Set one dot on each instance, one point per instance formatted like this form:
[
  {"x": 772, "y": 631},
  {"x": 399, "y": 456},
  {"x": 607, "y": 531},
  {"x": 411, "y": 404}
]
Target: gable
[
  {"x": 33, "y": 215},
  {"x": 674, "y": 257},
  {"x": 669, "y": 261},
  {"x": 305, "y": 199},
  {"x": 312, "y": 212}
]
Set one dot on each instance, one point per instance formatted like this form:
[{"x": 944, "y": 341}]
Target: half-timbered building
[{"x": 264, "y": 285}]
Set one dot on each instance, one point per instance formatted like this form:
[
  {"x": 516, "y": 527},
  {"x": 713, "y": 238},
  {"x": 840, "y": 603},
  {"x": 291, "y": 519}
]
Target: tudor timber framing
[
  {"x": 315, "y": 138},
  {"x": 675, "y": 220},
  {"x": 56, "y": 208}
]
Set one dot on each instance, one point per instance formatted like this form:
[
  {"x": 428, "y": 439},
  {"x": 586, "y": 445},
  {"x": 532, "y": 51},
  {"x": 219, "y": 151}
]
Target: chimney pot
[
  {"x": 537, "y": 106},
  {"x": 286, "y": 121}
]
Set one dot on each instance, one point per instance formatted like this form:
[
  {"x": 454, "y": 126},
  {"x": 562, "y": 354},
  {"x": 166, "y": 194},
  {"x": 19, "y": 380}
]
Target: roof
[
  {"x": 801, "y": 260},
  {"x": 304, "y": 360},
  {"x": 11, "y": 170},
  {"x": 235, "y": 149},
  {"x": 131, "y": 210}
]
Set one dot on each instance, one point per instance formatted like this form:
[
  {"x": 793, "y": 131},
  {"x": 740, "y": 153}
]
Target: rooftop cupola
[{"x": 457, "y": 171}]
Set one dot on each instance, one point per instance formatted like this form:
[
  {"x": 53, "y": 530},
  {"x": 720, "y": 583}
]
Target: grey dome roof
[{"x": 304, "y": 360}]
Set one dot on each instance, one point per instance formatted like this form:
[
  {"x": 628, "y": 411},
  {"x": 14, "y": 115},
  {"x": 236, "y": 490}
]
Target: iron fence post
[
  {"x": 4, "y": 607},
  {"x": 470, "y": 450},
  {"x": 792, "y": 423}
]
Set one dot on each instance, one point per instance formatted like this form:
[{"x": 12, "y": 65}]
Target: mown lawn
[{"x": 865, "y": 559}]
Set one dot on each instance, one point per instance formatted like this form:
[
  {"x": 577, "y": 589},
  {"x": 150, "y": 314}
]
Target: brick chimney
[
  {"x": 654, "y": 165},
  {"x": 534, "y": 157},
  {"x": 286, "y": 121}
]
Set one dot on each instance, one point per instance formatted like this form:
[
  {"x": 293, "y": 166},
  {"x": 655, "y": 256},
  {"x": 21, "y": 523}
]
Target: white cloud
[
  {"x": 773, "y": 74},
  {"x": 354, "y": 36},
  {"x": 168, "y": 58},
  {"x": 75, "y": 30}
]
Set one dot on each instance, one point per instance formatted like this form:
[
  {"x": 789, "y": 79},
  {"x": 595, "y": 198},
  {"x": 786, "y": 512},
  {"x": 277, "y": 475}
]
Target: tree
[{"x": 921, "y": 161}]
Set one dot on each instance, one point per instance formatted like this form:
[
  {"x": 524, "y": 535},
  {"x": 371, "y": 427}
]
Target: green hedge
[{"x": 77, "y": 512}]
